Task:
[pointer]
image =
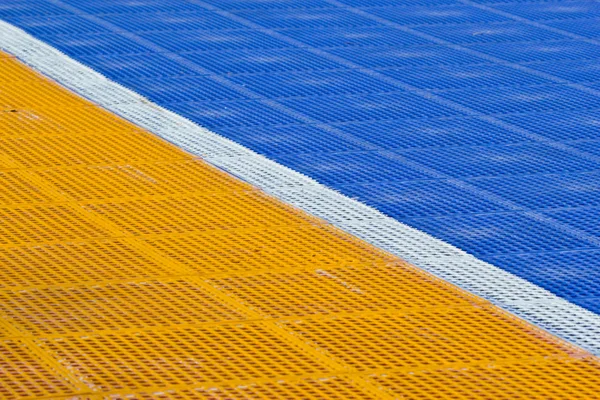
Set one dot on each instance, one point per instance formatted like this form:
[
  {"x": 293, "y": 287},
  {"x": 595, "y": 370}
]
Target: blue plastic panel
[{"x": 480, "y": 126}]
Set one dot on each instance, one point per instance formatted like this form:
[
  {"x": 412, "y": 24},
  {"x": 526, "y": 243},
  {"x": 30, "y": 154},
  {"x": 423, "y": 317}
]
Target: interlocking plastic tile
[
  {"x": 385, "y": 3},
  {"x": 140, "y": 180},
  {"x": 214, "y": 40},
  {"x": 461, "y": 77},
  {"x": 421, "y": 133},
  {"x": 91, "y": 149},
  {"x": 17, "y": 187},
  {"x": 485, "y": 235},
  {"x": 417, "y": 199},
  {"x": 559, "y": 126},
  {"x": 463, "y": 162},
  {"x": 501, "y": 32},
  {"x": 374, "y": 341},
  {"x": 314, "y": 84},
  {"x": 345, "y": 168},
  {"x": 540, "y": 51},
  {"x": 138, "y": 66},
  {"x": 522, "y": 100},
  {"x": 180, "y": 89},
  {"x": 546, "y": 191},
  {"x": 571, "y": 274},
  {"x": 498, "y": 382},
  {"x": 232, "y": 5},
  {"x": 257, "y": 61},
  {"x": 310, "y": 18},
  {"x": 355, "y": 36},
  {"x": 82, "y": 261},
  {"x": 271, "y": 140},
  {"x": 232, "y": 114},
  {"x": 581, "y": 218},
  {"x": 26, "y": 375},
  {"x": 552, "y": 10},
  {"x": 182, "y": 356},
  {"x": 131, "y": 6},
  {"x": 198, "y": 213},
  {"x": 96, "y": 45},
  {"x": 379, "y": 57},
  {"x": 57, "y": 25},
  {"x": 247, "y": 250},
  {"x": 574, "y": 71},
  {"x": 336, "y": 388},
  {"x": 113, "y": 306},
  {"x": 587, "y": 27},
  {"x": 338, "y": 290},
  {"x": 434, "y": 15},
  {"x": 39, "y": 224},
  {"x": 29, "y": 8},
  {"x": 590, "y": 147},
  {"x": 371, "y": 107},
  {"x": 172, "y": 21}
]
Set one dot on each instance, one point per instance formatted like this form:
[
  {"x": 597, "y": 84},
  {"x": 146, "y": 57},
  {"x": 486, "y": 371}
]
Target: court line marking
[{"x": 516, "y": 295}]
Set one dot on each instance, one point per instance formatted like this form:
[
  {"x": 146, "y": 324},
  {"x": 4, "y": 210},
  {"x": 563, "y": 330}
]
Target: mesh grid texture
[{"x": 151, "y": 274}]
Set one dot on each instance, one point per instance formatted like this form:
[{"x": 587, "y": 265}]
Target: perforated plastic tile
[
  {"x": 420, "y": 199},
  {"x": 228, "y": 114},
  {"x": 355, "y": 36},
  {"x": 137, "y": 66},
  {"x": 483, "y": 237},
  {"x": 559, "y": 126},
  {"x": 522, "y": 100},
  {"x": 460, "y": 77},
  {"x": 180, "y": 89},
  {"x": 406, "y": 134},
  {"x": 84, "y": 262},
  {"x": 540, "y": 11},
  {"x": 113, "y": 306},
  {"x": 504, "y": 32},
  {"x": 541, "y": 51},
  {"x": 232, "y": 5},
  {"x": 338, "y": 290},
  {"x": 378, "y": 57},
  {"x": 182, "y": 356},
  {"x": 133, "y": 268},
  {"x": 335, "y": 387},
  {"x": 587, "y": 28},
  {"x": 214, "y": 40},
  {"x": 310, "y": 18},
  {"x": 499, "y": 382},
  {"x": 571, "y": 275},
  {"x": 257, "y": 61},
  {"x": 29, "y": 8},
  {"x": 546, "y": 191},
  {"x": 247, "y": 250},
  {"x": 27, "y": 375},
  {"x": 434, "y": 15},
  {"x": 96, "y": 44},
  {"x": 364, "y": 342},
  {"x": 340, "y": 169},
  {"x": 271, "y": 140},
  {"x": 173, "y": 21},
  {"x": 370, "y": 107},
  {"x": 464, "y": 162},
  {"x": 314, "y": 84}
]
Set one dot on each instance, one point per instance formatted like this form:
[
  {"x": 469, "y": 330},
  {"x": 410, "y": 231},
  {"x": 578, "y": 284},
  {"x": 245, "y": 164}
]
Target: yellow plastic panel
[{"x": 130, "y": 269}]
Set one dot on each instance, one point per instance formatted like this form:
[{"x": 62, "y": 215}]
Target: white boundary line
[{"x": 524, "y": 299}]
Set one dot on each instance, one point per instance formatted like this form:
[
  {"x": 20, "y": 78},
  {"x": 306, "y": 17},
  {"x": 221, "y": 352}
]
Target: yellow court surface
[{"x": 131, "y": 269}]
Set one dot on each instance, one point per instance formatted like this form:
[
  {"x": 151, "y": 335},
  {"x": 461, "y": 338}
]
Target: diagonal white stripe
[{"x": 524, "y": 299}]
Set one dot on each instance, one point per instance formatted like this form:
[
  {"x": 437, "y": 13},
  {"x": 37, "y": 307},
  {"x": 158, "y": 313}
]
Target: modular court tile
[{"x": 131, "y": 269}]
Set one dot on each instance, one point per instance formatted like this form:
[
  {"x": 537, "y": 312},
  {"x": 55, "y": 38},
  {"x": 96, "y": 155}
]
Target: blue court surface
[{"x": 475, "y": 121}]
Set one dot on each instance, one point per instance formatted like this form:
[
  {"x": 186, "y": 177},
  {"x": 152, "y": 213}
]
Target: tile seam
[{"x": 547, "y": 311}]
